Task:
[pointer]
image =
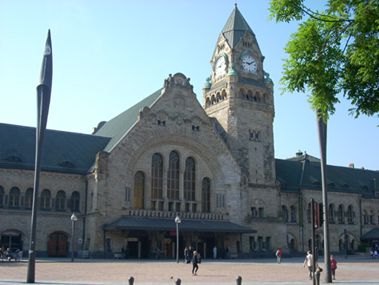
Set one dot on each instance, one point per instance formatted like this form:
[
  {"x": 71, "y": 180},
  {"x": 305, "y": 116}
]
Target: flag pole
[{"x": 43, "y": 103}]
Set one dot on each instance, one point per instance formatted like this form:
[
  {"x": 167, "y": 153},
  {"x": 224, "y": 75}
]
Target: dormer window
[{"x": 161, "y": 123}]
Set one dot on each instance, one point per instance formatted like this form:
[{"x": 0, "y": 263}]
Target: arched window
[
  {"x": 293, "y": 214},
  {"x": 60, "y": 201},
  {"x": 206, "y": 195},
  {"x": 173, "y": 176},
  {"x": 285, "y": 214},
  {"x": 189, "y": 180},
  {"x": 340, "y": 214},
  {"x": 156, "y": 176},
  {"x": 28, "y": 198},
  {"x": 1, "y": 197},
  {"x": 223, "y": 95},
  {"x": 350, "y": 215},
  {"x": 331, "y": 214},
  {"x": 45, "y": 200},
  {"x": 14, "y": 198},
  {"x": 75, "y": 201},
  {"x": 139, "y": 190}
]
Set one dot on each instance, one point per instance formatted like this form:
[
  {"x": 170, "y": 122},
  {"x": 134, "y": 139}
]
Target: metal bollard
[
  {"x": 178, "y": 281},
  {"x": 131, "y": 280},
  {"x": 239, "y": 280}
]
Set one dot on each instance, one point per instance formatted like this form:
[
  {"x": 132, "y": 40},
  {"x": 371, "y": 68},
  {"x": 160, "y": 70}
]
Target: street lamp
[
  {"x": 74, "y": 219},
  {"x": 177, "y": 222}
]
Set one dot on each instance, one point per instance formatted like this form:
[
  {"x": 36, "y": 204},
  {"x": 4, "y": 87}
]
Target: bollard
[
  {"x": 131, "y": 280},
  {"x": 239, "y": 280},
  {"x": 178, "y": 281}
]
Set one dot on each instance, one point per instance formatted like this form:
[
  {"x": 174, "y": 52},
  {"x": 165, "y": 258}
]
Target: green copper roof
[
  {"x": 235, "y": 28},
  {"x": 119, "y": 126},
  {"x": 62, "y": 151}
]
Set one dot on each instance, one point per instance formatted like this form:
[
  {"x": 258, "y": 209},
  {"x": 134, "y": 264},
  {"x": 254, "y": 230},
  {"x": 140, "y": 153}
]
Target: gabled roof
[
  {"x": 371, "y": 235},
  {"x": 306, "y": 174},
  {"x": 235, "y": 28},
  {"x": 120, "y": 125},
  {"x": 62, "y": 151}
]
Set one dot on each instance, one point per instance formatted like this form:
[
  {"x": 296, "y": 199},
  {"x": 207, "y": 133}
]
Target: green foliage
[{"x": 333, "y": 52}]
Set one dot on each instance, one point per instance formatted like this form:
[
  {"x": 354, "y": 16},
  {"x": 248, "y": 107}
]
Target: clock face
[
  {"x": 220, "y": 67},
  {"x": 249, "y": 64}
]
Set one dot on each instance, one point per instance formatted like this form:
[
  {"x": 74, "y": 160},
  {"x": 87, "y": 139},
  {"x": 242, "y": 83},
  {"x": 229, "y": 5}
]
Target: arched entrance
[
  {"x": 57, "y": 246},
  {"x": 11, "y": 239}
]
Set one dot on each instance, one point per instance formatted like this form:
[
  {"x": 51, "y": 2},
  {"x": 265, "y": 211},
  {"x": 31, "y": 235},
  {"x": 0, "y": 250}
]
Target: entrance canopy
[{"x": 161, "y": 224}]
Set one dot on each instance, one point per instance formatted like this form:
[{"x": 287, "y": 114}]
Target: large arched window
[
  {"x": 1, "y": 197},
  {"x": 28, "y": 198},
  {"x": 139, "y": 190},
  {"x": 75, "y": 201},
  {"x": 173, "y": 176},
  {"x": 340, "y": 214},
  {"x": 331, "y": 214},
  {"x": 45, "y": 200},
  {"x": 189, "y": 180},
  {"x": 14, "y": 198},
  {"x": 157, "y": 177},
  {"x": 206, "y": 195},
  {"x": 285, "y": 214},
  {"x": 60, "y": 201}
]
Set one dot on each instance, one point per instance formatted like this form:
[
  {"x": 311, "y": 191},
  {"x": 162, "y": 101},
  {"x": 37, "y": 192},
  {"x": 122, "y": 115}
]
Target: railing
[{"x": 172, "y": 215}]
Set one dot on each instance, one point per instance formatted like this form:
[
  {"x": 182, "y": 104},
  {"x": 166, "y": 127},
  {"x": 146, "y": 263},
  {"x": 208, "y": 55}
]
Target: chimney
[{"x": 351, "y": 165}]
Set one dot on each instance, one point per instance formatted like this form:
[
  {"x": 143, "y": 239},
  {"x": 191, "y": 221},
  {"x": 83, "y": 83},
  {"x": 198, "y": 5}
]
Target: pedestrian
[
  {"x": 187, "y": 258},
  {"x": 279, "y": 254},
  {"x": 308, "y": 262},
  {"x": 333, "y": 266},
  {"x": 214, "y": 252},
  {"x": 195, "y": 262},
  {"x": 317, "y": 274}
]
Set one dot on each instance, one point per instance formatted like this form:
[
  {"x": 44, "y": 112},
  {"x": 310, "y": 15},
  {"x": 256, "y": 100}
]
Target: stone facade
[{"x": 211, "y": 165}]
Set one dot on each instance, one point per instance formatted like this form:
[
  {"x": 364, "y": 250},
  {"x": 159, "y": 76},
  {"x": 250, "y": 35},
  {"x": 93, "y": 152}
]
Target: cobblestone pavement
[{"x": 352, "y": 271}]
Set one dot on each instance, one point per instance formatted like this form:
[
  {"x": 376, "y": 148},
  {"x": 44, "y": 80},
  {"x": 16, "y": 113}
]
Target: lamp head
[
  {"x": 178, "y": 220},
  {"x": 74, "y": 218}
]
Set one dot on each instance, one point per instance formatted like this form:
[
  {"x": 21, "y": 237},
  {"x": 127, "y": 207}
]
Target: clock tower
[{"x": 239, "y": 94}]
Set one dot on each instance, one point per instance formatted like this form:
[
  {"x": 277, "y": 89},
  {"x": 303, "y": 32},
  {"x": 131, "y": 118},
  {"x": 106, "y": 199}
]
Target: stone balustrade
[{"x": 172, "y": 215}]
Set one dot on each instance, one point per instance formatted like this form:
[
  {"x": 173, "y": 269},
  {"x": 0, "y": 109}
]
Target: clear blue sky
[{"x": 108, "y": 55}]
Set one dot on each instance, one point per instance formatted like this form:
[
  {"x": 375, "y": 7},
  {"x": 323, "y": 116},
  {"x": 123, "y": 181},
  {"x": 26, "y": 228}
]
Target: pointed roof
[{"x": 235, "y": 28}]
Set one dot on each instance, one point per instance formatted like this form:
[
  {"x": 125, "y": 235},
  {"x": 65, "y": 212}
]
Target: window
[
  {"x": 268, "y": 243},
  {"x": 189, "y": 180},
  {"x": 309, "y": 213},
  {"x": 254, "y": 212},
  {"x": 139, "y": 190},
  {"x": 252, "y": 243},
  {"x": 75, "y": 201},
  {"x": 350, "y": 215},
  {"x": 285, "y": 214},
  {"x": 372, "y": 217},
  {"x": 340, "y": 214},
  {"x": 206, "y": 194},
  {"x": 1, "y": 197},
  {"x": 60, "y": 201},
  {"x": 127, "y": 194},
  {"x": 28, "y": 198},
  {"x": 45, "y": 200},
  {"x": 173, "y": 176},
  {"x": 261, "y": 212},
  {"x": 220, "y": 200},
  {"x": 14, "y": 198},
  {"x": 293, "y": 214},
  {"x": 331, "y": 214},
  {"x": 156, "y": 176},
  {"x": 365, "y": 217}
]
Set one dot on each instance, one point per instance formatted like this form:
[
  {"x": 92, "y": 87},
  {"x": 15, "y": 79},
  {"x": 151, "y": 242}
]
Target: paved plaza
[{"x": 256, "y": 271}]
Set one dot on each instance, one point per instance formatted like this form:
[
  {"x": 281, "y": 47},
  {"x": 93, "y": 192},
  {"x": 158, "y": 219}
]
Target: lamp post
[
  {"x": 74, "y": 219},
  {"x": 177, "y": 222}
]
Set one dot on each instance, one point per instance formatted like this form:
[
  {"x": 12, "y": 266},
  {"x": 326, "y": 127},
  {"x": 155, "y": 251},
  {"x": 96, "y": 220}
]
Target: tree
[{"x": 333, "y": 52}]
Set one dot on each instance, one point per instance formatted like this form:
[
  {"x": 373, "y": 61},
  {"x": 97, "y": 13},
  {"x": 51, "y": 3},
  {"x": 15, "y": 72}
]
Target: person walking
[
  {"x": 333, "y": 266},
  {"x": 279, "y": 254},
  {"x": 195, "y": 261},
  {"x": 308, "y": 262},
  {"x": 214, "y": 252}
]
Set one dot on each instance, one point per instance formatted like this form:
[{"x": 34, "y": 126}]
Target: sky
[{"x": 109, "y": 55}]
